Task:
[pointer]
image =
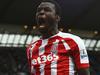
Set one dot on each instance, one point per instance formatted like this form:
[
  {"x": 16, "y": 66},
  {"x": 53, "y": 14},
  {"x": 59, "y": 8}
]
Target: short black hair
[{"x": 57, "y": 6}]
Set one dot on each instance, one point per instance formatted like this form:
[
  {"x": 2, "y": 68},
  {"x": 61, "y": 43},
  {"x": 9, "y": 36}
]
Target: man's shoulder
[
  {"x": 68, "y": 35},
  {"x": 73, "y": 37}
]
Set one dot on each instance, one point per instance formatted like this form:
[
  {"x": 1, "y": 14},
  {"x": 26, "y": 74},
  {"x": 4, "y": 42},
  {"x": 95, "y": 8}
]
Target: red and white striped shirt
[{"x": 60, "y": 54}]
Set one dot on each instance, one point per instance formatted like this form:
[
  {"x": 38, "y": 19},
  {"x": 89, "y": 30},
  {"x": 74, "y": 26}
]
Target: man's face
[{"x": 46, "y": 15}]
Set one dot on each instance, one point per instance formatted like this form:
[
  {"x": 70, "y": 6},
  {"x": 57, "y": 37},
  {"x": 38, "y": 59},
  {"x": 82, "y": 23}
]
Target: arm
[
  {"x": 80, "y": 57},
  {"x": 83, "y": 72},
  {"x": 31, "y": 68}
]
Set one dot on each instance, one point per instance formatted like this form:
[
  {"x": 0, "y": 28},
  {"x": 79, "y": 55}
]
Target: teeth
[{"x": 42, "y": 26}]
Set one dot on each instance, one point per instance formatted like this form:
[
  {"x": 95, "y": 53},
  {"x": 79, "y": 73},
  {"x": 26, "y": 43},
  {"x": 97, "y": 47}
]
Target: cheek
[{"x": 51, "y": 16}]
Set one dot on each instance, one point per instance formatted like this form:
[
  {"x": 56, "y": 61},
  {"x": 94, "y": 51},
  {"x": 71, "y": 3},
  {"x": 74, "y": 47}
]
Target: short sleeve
[{"x": 80, "y": 54}]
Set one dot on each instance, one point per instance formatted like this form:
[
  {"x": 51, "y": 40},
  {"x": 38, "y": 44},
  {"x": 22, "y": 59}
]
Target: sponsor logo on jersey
[{"x": 45, "y": 59}]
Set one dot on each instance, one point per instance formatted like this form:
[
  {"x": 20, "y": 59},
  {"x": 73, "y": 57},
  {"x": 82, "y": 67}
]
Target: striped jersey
[{"x": 61, "y": 54}]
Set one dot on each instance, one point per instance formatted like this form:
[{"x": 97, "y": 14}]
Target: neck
[{"x": 50, "y": 33}]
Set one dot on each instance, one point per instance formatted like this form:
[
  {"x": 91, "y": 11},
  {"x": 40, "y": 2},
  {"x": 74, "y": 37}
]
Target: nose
[{"x": 42, "y": 12}]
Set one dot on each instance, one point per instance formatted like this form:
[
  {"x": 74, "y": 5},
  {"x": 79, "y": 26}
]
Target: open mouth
[{"x": 41, "y": 21}]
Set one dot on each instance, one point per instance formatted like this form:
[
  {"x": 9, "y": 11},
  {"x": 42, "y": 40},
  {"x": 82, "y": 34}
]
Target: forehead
[{"x": 46, "y": 4}]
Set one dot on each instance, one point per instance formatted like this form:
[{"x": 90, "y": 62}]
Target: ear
[{"x": 57, "y": 18}]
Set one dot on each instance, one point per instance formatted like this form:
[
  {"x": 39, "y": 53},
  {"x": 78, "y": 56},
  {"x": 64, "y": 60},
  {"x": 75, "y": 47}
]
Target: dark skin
[{"x": 47, "y": 21}]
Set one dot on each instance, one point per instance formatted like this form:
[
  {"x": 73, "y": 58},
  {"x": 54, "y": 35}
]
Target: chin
[{"x": 43, "y": 29}]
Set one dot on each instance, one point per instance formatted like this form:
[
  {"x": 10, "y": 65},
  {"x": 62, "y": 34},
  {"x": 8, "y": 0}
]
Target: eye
[{"x": 47, "y": 9}]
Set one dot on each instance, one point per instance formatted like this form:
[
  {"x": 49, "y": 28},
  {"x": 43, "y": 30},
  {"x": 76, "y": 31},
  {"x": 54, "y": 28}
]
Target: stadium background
[{"x": 18, "y": 29}]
